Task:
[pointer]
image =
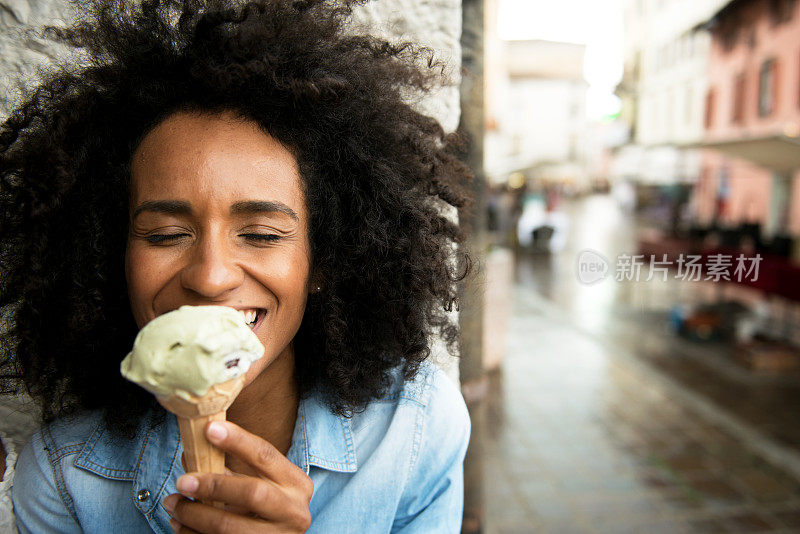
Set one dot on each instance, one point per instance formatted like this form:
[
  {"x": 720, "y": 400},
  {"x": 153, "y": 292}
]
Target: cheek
[
  {"x": 287, "y": 277},
  {"x": 144, "y": 277}
]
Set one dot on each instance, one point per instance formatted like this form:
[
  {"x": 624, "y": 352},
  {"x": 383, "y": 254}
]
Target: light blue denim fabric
[{"x": 395, "y": 467}]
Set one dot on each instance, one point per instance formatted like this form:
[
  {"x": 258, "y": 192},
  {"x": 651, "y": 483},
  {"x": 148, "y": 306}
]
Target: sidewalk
[
  {"x": 602, "y": 421},
  {"x": 585, "y": 438},
  {"x": 770, "y": 404}
]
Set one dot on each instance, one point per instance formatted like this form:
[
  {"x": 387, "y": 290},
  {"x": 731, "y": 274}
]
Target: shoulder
[
  {"x": 399, "y": 457},
  {"x": 445, "y": 423},
  {"x": 430, "y": 388},
  {"x": 75, "y": 472},
  {"x": 40, "y": 499},
  {"x": 69, "y": 433},
  {"x": 440, "y": 400},
  {"x": 432, "y": 498},
  {"x": 52, "y": 442},
  {"x": 427, "y": 412}
]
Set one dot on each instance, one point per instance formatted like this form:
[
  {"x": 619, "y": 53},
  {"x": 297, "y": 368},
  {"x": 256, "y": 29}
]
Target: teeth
[{"x": 249, "y": 316}]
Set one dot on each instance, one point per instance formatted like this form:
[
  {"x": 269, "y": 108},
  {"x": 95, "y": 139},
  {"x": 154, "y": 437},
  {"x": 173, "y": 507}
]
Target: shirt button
[{"x": 143, "y": 495}]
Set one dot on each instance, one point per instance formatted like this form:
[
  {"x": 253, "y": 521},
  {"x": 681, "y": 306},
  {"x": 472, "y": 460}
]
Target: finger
[
  {"x": 169, "y": 505},
  {"x": 241, "y": 494},
  {"x": 259, "y": 453},
  {"x": 197, "y": 517},
  {"x": 180, "y": 529},
  {"x": 183, "y": 464}
]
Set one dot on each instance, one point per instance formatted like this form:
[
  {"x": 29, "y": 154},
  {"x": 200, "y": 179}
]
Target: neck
[{"x": 267, "y": 406}]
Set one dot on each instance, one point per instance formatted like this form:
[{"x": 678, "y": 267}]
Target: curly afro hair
[{"x": 378, "y": 177}]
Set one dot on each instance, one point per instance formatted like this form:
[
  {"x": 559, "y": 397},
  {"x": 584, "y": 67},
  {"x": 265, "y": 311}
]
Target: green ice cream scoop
[{"x": 186, "y": 351}]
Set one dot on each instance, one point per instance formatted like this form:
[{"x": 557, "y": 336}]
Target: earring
[{"x": 317, "y": 289}]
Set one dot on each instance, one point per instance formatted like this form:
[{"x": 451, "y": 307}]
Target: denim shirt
[{"x": 395, "y": 467}]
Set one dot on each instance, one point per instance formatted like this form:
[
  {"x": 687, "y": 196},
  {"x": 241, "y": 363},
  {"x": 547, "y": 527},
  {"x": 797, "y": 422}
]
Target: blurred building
[
  {"x": 752, "y": 120},
  {"x": 665, "y": 80},
  {"x": 536, "y": 110}
]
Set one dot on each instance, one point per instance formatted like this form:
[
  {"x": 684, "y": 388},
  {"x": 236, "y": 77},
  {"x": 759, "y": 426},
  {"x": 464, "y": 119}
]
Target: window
[
  {"x": 711, "y": 98},
  {"x": 751, "y": 38},
  {"x": 669, "y": 111},
  {"x": 781, "y": 11},
  {"x": 767, "y": 87},
  {"x": 727, "y": 31},
  {"x": 738, "y": 99}
]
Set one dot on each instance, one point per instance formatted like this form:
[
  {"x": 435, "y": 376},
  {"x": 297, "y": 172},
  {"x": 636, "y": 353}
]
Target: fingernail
[
  {"x": 169, "y": 503},
  {"x": 188, "y": 484},
  {"x": 216, "y": 432},
  {"x": 175, "y": 525}
]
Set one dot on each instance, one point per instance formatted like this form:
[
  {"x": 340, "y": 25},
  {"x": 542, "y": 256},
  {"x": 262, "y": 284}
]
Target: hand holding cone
[{"x": 194, "y": 360}]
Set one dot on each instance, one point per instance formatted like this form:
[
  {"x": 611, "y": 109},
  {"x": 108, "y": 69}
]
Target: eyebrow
[
  {"x": 178, "y": 207},
  {"x": 246, "y": 207},
  {"x": 249, "y": 207}
]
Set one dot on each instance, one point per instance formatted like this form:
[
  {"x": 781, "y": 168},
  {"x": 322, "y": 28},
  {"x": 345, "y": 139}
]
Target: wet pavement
[{"x": 600, "y": 420}]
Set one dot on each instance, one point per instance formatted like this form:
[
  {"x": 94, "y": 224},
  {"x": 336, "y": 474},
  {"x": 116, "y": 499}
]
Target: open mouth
[{"x": 253, "y": 317}]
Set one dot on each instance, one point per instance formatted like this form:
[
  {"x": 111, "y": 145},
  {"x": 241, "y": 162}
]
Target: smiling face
[{"x": 217, "y": 217}]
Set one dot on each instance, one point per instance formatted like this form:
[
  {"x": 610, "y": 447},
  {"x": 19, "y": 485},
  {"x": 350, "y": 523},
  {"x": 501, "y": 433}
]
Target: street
[{"x": 588, "y": 430}]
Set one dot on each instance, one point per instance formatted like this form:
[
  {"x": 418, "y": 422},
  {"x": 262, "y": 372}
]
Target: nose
[{"x": 212, "y": 271}]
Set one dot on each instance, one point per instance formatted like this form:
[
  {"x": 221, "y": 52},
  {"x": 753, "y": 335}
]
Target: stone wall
[
  {"x": 432, "y": 23},
  {"x": 22, "y": 51}
]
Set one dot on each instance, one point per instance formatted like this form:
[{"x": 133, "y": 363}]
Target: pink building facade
[{"x": 751, "y": 168}]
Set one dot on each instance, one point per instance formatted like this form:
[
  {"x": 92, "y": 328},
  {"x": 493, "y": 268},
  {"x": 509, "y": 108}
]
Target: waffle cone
[
  {"x": 217, "y": 399},
  {"x": 194, "y": 414}
]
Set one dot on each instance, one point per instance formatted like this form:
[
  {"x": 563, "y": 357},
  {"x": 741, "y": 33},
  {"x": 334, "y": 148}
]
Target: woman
[{"x": 255, "y": 156}]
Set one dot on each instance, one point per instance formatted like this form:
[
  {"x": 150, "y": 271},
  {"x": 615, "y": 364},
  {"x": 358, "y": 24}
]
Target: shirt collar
[
  {"x": 151, "y": 460},
  {"x": 114, "y": 457},
  {"x": 322, "y": 438}
]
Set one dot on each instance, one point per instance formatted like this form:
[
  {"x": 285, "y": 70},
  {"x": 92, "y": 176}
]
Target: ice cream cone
[
  {"x": 194, "y": 360},
  {"x": 194, "y": 414}
]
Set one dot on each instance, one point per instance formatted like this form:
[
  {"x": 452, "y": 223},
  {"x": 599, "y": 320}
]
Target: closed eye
[
  {"x": 161, "y": 238},
  {"x": 261, "y": 237}
]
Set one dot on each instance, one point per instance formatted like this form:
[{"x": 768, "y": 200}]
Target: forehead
[{"x": 213, "y": 159}]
